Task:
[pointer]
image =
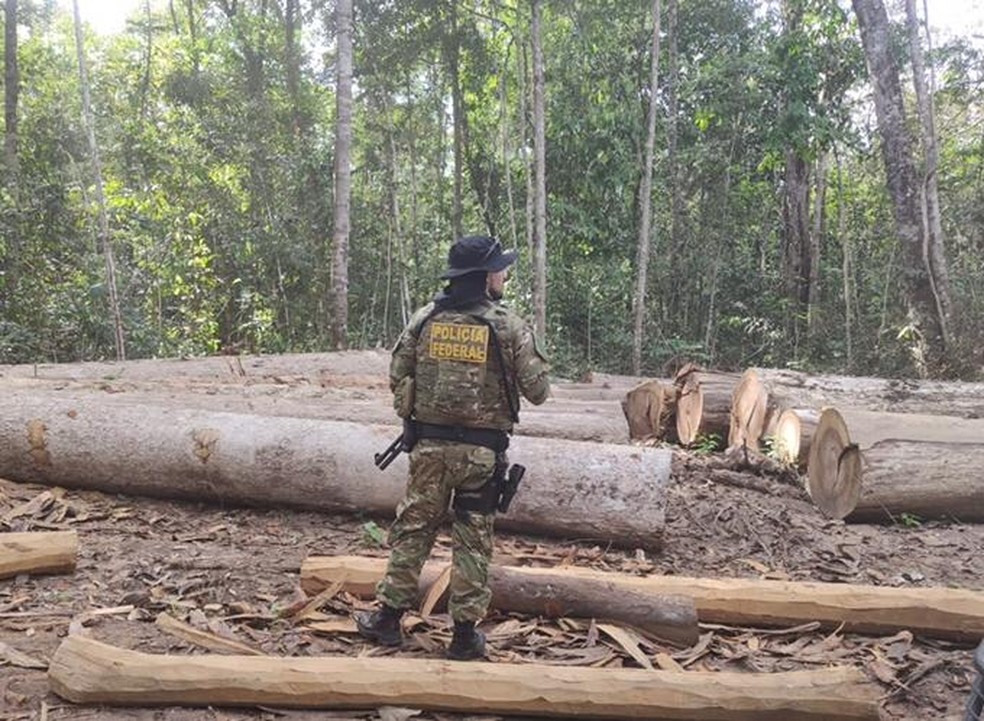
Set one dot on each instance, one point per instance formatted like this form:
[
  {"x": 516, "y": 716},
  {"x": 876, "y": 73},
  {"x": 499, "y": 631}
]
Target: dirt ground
[{"x": 235, "y": 571}]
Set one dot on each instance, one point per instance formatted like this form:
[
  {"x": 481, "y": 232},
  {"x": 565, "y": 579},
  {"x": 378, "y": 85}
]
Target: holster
[{"x": 485, "y": 498}]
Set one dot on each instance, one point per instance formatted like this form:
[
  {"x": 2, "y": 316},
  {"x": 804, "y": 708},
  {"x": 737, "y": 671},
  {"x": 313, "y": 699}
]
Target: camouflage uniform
[{"x": 468, "y": 391}]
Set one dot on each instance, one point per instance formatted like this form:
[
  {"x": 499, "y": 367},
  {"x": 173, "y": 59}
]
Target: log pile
[{"x": 862, "y": 462}]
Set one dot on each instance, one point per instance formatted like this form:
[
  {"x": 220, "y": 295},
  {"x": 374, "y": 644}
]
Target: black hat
[{"x": 475, "y": 253}]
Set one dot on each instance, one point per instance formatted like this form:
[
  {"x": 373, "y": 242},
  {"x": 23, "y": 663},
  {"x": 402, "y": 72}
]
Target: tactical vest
[{"x": 459, "y": 378}]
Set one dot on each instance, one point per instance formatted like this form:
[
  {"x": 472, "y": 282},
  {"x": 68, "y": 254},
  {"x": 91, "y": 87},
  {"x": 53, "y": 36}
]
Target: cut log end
[
  {"x": 647, "y": 409},
  {"x": 834, "y": 479},
  {"x": 748, "y": 405},
  {"x": 689, "y": 410},
  {"x": 793, "y": 435}
]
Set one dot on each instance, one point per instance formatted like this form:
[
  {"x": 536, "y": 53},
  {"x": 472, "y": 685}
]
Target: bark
[
  {"x": 645, "y": 199},
  {"x": 539, "y": 179},
  {"x": 948, "y": 613},
  {"x": 922, "y": 479},
  {"x": 929, "y": 333},
  {"x": 343, "y": 178},
  {"x": 535, "y": 592},
  {"x": 813, "y": 250},
  {"x": 576, "y": 490},
  {"x": 37, "y": 553},
  {"x": 86, "y": 671},
  {"x": 104, "y": 238}
]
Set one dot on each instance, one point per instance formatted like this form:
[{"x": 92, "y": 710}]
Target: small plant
[
  {"x": 372, "y": 535},
  {"x": 910, "y": 520},
  {"x": 706, "y": 443}
]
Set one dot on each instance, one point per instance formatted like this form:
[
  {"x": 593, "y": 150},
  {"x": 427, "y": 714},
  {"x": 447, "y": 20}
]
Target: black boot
[
  {"x": 382, "y": 626},
  {"x": 467, "y": 643}
]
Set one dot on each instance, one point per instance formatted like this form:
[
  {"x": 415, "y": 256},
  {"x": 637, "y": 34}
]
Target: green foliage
[
  {"x": 707, "y": 443},
  {"x": 217, "y": 158},
  {"x": 910, "y": 520},
  {"x": 372, "y": 535}
]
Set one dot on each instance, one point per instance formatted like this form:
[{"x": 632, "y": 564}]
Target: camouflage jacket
[{"x": 445, "y": 368}]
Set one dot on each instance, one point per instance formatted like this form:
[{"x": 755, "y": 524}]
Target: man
[{"x": 457, "y": 372}]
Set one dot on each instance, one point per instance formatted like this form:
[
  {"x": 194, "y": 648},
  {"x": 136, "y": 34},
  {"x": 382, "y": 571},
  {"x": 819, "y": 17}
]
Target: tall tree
[
  {"x": 97, "y": 178},
  {"x": 539, "y": 176},
  {"x": 11, "y": 78},
  {"x": 343, "y": 177},
  {"x": 926, "y": 320},
  {"x": 929, "y": 188},
  {"x": 645, "y": 200}
]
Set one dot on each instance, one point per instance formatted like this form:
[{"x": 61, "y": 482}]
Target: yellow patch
[{"x": 454, "y": 342}]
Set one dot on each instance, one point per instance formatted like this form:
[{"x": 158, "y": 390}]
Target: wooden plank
[
  {"x": 36, "y": 553},
  {"x": 87, "y": 671},
  {"x": 948, "y": 613}
]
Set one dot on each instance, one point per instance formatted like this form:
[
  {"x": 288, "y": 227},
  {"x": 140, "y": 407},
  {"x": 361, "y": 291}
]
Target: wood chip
[
  {"x": 629, "y": 643},
  {"x": 9, "y": 654},
  {"x": 436, "y": 591},
  {"x": 203, "y": 638}
]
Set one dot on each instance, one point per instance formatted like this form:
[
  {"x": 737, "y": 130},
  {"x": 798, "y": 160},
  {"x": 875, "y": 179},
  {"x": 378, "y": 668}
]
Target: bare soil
[{"x": 234, "y": 572}]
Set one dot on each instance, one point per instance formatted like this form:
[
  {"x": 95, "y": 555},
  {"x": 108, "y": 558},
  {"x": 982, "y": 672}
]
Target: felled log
[
  {"x": 87, "y": 671},
  {"x": 599, "y": 421},
  {"x": 922, "y": 479},
  {"x": 237, "y": 368},
  {"x": 649, "y": 410},
  {"x": 795, "y": 389},
  {"x": 572, "y": 489},
  {"x": 669, "y": 618},
  {"x": 834, "y": 466},
  {"x": 869, "y": 427},
  {"x": 38, "y": 553},
  {"x": 703, "y": 406},
  {"x": 793, "y": 434},
  {"x": 947, "y": 613}
]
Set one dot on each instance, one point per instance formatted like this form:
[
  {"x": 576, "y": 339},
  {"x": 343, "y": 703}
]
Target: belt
[{"x": 492, "y": 438}]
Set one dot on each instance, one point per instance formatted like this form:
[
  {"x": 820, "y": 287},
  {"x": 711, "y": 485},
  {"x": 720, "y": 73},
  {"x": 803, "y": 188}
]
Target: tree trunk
[
  {"x": 921, "y": 479},
  {"x": 104, "y": 237},
  {"x": 955, "y": 614},
  {"x": 572, "y": 489},
  {"x": 11, "y": 90},
  {"x": 669, "y": 618},
  {"x": 86, "y": 671},
  {"x": 37, "y": 553},
  {"x": 869, "y": 427},
  {"x": 929, "y": 195},
  {"x": 817, "y": 231},
  {"x": 343, "y": 177},
  {"x": 539, "y": 178},
  {"x": 453, "y": 53},
  {"x": 645, "y": 200},
  {"x": 928, "y": 323}
]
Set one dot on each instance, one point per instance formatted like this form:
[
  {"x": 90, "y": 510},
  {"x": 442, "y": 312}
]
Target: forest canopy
[{"x": 179, "y": 197}]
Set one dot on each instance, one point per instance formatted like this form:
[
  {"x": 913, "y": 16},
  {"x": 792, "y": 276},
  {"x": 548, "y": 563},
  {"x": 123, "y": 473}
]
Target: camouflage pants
[{"x": 436, "y": 469}]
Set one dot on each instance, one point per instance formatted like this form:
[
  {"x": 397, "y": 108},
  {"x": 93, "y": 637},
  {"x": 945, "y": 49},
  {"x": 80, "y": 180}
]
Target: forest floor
[{"x": 235, "y": 571}]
